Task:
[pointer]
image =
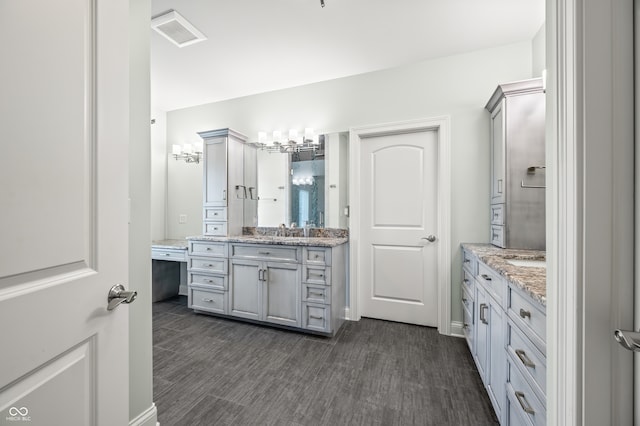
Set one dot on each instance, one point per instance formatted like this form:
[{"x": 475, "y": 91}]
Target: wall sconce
[
  {"x": 187, "y": 152},
  {"x": 294, "y": 143}
]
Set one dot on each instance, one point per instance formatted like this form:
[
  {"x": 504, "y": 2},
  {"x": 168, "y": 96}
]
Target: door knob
[
  {"x": 430, "y": 238},
  {"x": 118, "y": 295},
  {"x": 628, "y": 339}
]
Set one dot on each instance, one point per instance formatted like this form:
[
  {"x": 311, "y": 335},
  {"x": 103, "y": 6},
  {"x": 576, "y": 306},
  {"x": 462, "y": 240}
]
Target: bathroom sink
[{"x": 529, "y": 263}]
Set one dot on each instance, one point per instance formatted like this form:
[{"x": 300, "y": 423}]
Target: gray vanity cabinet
[{"x": 265, "y": 284}]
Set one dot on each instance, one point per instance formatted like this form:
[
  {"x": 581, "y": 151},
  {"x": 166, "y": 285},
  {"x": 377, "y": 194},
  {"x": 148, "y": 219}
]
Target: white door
[
  {"x": 399, "y": 218},
  {"x": 63, "y": 221}
]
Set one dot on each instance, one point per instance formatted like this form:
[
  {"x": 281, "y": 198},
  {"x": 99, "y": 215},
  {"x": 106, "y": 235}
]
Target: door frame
[
  {"x": 590, "y": 197},
  {"x": 442, "y": 126}
]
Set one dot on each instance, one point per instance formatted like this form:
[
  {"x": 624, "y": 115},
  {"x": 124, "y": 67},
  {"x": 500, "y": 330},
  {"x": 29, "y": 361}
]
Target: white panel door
[
  {"x": 399, "y": 212},
  {"x": 63, "y": 222}
]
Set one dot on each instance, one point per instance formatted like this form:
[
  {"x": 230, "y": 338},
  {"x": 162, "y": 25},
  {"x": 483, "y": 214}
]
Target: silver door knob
[
  {"x": 118, "y": 295},
  {"x": 430, "y": 238},
  {"x": 628, "y": 339}
]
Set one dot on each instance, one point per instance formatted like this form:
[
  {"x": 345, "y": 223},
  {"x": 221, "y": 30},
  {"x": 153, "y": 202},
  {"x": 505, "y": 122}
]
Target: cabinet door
[
  {"x": 245, "y": 290},
  {"x": 281, "y": 293},
  {"x": 497, "y": 362},
  {"x": 498, "y": 154},
  {"x": 215, "y": 172},
  {"x": 482, "y": 331}
]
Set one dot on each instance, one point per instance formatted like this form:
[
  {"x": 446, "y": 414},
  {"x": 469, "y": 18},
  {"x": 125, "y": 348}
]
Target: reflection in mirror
[
  {"x": 307, "y": 191},
  {"x": 323, "y": 203}
]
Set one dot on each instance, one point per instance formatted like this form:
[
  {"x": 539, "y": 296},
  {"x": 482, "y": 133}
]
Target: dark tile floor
[{"x": 215, "y": 371}]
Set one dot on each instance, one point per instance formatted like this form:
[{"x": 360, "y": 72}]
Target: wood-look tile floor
[{"x": 216, "y": 371}]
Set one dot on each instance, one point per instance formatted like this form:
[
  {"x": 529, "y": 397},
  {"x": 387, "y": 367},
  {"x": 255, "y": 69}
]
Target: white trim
[
  {"x": 589, "y": 197},
  {"x": 148, "y": 417},
  {"x": 442, "y": 125},
  {"x": 347, "y": 313},
  {"x": 456, "y": 329}
]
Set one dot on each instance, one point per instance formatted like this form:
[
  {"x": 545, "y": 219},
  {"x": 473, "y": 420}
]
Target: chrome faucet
[{"x": 282, "y": 229}]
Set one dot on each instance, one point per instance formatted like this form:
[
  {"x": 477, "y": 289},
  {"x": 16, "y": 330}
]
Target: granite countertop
[
  {"x": 170, "y": 244},
  {"x": 533, "y": 280},
  {"x": 274, "y": 240}
]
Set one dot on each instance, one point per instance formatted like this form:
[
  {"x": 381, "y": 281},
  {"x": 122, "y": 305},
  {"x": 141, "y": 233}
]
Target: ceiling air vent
[{"x": 176, "y": 29}]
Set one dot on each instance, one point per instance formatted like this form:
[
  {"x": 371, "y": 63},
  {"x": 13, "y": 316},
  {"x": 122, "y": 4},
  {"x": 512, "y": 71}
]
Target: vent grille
[{"x": 175, "y": 28}]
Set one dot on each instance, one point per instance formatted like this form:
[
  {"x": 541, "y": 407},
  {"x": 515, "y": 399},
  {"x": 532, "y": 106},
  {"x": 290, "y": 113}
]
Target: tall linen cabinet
[
  {"x": 229, "y": 183},
  {"x": 518, "y": 165}
]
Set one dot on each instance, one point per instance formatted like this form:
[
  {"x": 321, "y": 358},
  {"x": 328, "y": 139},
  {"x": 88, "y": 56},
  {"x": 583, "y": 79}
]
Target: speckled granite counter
[
  {"x": 170, "y": 244},
  {"x": 532, "y": 280},
  {"x": 282, "y": 241}
]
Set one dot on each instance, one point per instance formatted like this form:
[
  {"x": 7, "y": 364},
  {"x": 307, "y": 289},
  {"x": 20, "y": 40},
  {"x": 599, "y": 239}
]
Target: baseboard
[
  {"x": 456, "y": 329},
  {"x": 148, "y": 417},
  {"x": 347, "y": 315}
]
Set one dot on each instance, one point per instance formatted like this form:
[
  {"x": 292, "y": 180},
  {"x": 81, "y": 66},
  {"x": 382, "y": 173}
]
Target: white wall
[
  {"x": 158, "y": 174},
  {"x": 458, "y": 86},
  {"x": 538, "y": 52},
  {"x": 140, "y": 342}
]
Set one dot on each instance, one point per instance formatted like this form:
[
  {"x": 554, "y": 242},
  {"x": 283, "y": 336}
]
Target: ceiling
[{"x": 257, "y": 46}]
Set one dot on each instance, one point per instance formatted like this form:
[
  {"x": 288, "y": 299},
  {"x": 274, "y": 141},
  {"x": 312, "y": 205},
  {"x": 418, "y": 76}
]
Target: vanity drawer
[
  {"x": 317, "y": 256},
  {"x": 213, "y": 281},
  {"x": 469, "y": 262},
  {"x": 172, "y": 255},
  {"x": 207, "y": 300},
  {"x": 467, "y": 326},
  {"x": 211, "y": 265},
  {"x": 528, "y": 317},
  {"x": 497, "y": 235},
  {"x": 215, "y": 214},
  {"x": 530, "y": 360},
  {"x": 493, "y": 282},
  {"x": 522, "y": 401},
  {"x": 316, "y": 317},
  {"x": 204, "y": 248},
  {"x": 281, "y": 253},
  {"x": 316, "y": 275},
  {"x": 467, "y": 302},
  {"x": 316, "y": 294},
  {"x": 218, "y": 229},
  {"x": 497, "y": 214},
  {"x": 468, "y": 283}
]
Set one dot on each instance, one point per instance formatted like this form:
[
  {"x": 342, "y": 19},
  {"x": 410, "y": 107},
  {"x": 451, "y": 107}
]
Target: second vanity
[
  {"x": 297, "y": 282},
  {"x": 504, "y": 309}
]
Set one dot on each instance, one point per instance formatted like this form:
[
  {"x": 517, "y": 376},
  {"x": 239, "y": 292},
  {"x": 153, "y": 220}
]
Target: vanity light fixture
[
  {"x": 187, "y": 152},
  {"x": 294, "y": 143}
]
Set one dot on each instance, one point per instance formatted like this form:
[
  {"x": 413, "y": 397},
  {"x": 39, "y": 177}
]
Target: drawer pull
[
  {"x": 210, "y": 265},
  {"x": 523, "y": 403},
  {"x": 264, "y": 252},
  {"x": 208, "y": 248},
  {"x": 315, "y": 317},
  {"x": 486, "y": 277},
  {"x": 465, "y": 281},
  {"x": 464, "y": 300},
  {"x": 209, "y": 281},
  {"x": 207, "y": 300},
  {"x": 483, "y": 306},
  {"x": 525, "y": 314},
  {"x": 467, "y": 260},
  {"x": 167, "y": 254},
  {"x": 317, "y": 256},
  {"x": 316, "y": 294},
  {"x": 525, "y": 359},
  {"x": 465, "y": 326}
]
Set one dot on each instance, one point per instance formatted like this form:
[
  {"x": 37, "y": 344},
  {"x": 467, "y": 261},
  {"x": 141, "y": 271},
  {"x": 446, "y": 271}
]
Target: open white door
[{"x": 63, "y": 220}]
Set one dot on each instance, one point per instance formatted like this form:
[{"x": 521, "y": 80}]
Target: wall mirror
[{"x": 303, "y": 187}]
